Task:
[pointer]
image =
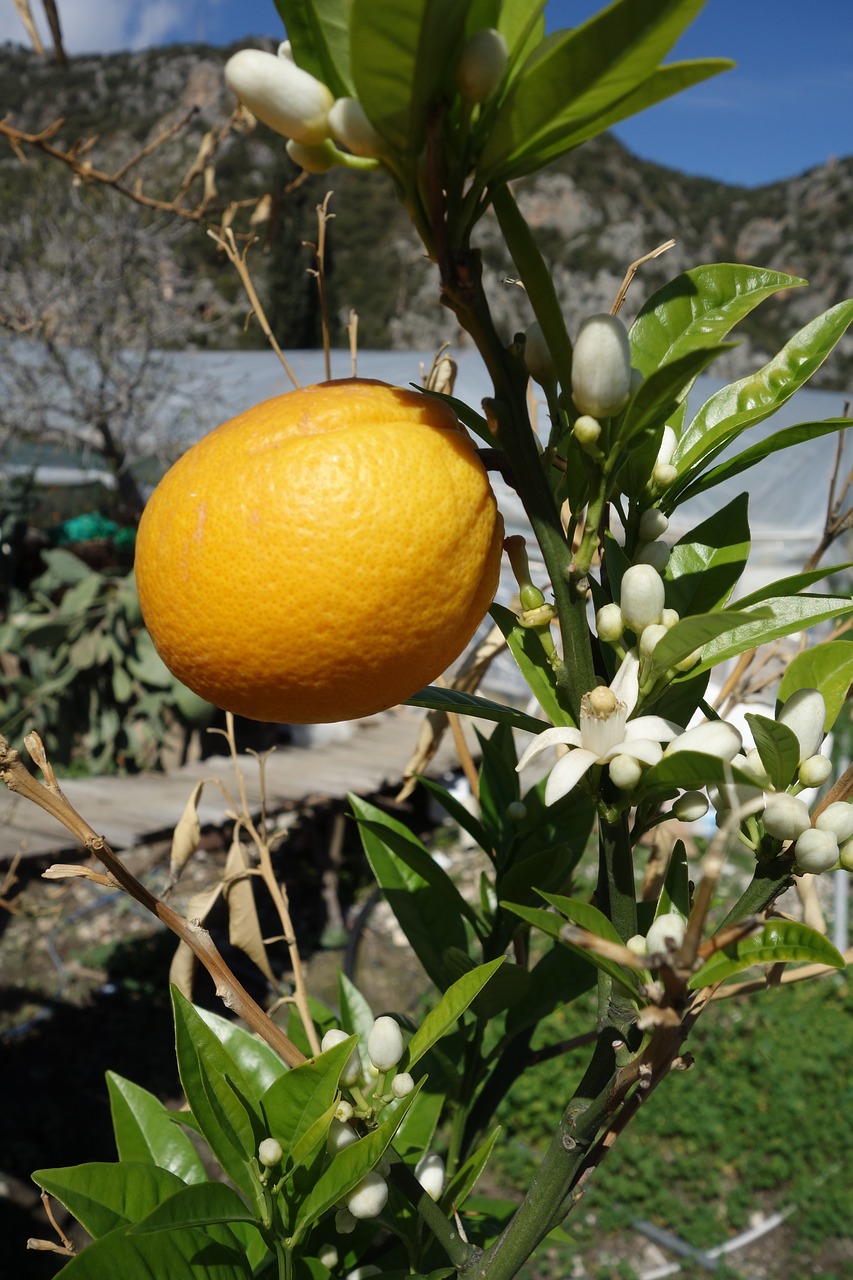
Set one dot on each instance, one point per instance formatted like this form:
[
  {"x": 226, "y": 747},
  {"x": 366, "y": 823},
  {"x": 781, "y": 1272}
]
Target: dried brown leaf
[
  {"x": 187, "y": 835},
  {"x": 244, "y": 929}
]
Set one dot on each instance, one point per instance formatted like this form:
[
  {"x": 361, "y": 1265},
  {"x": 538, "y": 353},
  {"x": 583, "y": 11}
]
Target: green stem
[
  {"x": 616, "y": 894},
  {"x": 459, "y": 1252}
]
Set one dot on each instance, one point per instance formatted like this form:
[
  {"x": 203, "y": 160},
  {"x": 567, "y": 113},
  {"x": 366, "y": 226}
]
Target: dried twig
[{"x": 632, "y": 271}]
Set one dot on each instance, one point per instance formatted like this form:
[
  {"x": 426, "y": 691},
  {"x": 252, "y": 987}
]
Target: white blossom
[
  {"x": 282, "y": 95},
  {"x": 369, "y": 1197},
  {"x": 667, "y": 929},
  {"x": 837, "y": 818},
  {"x": 641, "y": 597},
  {"x": 805, "y": 713},
  {"x": 385, "y": 1043},
  {"x": 816, "y": 851},
  {"x": 429, "y": 1172},
  {"x": 601, "y": 366}
]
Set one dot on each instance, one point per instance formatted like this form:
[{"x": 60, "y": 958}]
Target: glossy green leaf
[
  {"x": 675, "y": 894},
  {"x": 419, "y": 1124},
  {"x": 198, "y": 1206},
  {"x": 557, "y": 979},
  {"x": 701, "y": 630},
  {"x": 663, "y": 390},
  {"x": 146, "y": 1132},
  {"x": 260, "y": 1064},
  {"x": 526, "y": 647},
  {"x": 187, "y": 1253},
  {"x": 778, "y": 747},
  {"x": 357, "y": 1017},
  {"x": 219, "y": 1095},
  {"x": 499, "y": 784},
  {"x": 691, "y": 771},
  {"x": 399, "y": 59},
  {"x": 784, "y": 439},
  {"x": 302, "y": 1095},
  {"x": 468, "y": 704},
  {"x": 584, "y": 914},
  {"x": 448, "y": 1011},
  {"x": 790, "y": 615},
  {"x": 348, "y": 1167},
  {"x": 466, "y": 1177},
  {"x": 475, "y": 422},
  {"x": 828, "y": 667},
  {"x": 103, "y": 1196},
  {"x": 697, "y": 308},
  {"x": 588, "y": 71},
  {"x": 428, "y": 907},
  {"x": 551, "y": 923},
  {"x": 318, "y": 30},
  {"x": 778, "y": 941},
  {"x": 792, "y": 585},
  {"x": 456, "y": 810},
  {"x": 706, "y": 563},
  {"x": 749, "y": 401}
]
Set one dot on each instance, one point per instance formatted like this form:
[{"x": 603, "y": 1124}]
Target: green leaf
[
  {"x": 526, "y": 647},
  {"x": 577, "y": 75},
  {"x": 448, "y": 1011},
  {"x": 778, "y": 941},
  {"x": 183, "y": 1254},
  {"x": 790, "y": 614},
  {"x": 468, "y": 704},
  {"x": 752, "y": 399},
  {"x": 400, "y": 56},
  {"x": 475, "y": 422},
  {"x": 465, "y": 1179},
  {"x": 702, "y": 629},
  {"x": 707, "y": 562},
  {"x": 778, "y": 747},
  {"x": 585, "y": 915},
  {"x": 302, "y": 1095},
  {"x": 675, "y": 894},
  {"x": 146, "y": 1132},
  {"x": 698, "y": 308},
  {"x": 428, "y": 907},
  {"x": 828, "y": 667},
  {"x": 318, "y": 30},
  {"x": 419, "y": 1124},
  {"x": 63, "y": 569},
  {"x": 103, "y": 1196},
  {"x": 219, "y": 1095},
  {"x": 792, "y": 585},
  {"x": 499, "y": 783},
  {"x": 357, "y": 1017},
  {"x": 551, "y": 923},
  {"x": 784, "y": 439},
  {"x": 660, "y": 394},
  {"x": 199, "y": 1206},
  {"x": 260, "y": 1064},
  {"x": 691, "y": 771},
  {"x": 456, "y": 810}
]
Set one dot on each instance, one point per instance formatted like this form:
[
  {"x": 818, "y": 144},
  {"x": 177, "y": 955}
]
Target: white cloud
[{"x": 103, "y": 26}]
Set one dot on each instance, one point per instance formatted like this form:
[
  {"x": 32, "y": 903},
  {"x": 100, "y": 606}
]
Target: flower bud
[
  {"x": 651, "y": 637},
  {"x": 690, "y": 806},
  {"x": 601, "y": 366},
  {"x": 637, "y": 944},
  {"x": 537, "y": 356},
  {"x": 837, "y": 818},
  {"x": 402, "y": 1085},
  {"x": 714, "y": 738},
  {"x": 609, "y": 623},
  {"x": 815, "y": 771},
  {"x": 285, "y": 50},
  {"x": 350, "y": 126},
  {"x": 385, "y": 1043},
  {"x": 816, "y": 851},
  {"x": 481, "y": 65},
  {"x": 667, "y": 930},
  {"x": 785, "y": 816},
  {"x": 654, "y": 553},
  {"x": 345, "y": 1223},
  {"x": 352, "y": 1070},
  {"x": 669, "y": 617},
  {"x": 653, "y": 524},
  {"x": 340, "y": 1135},
  {"x": 586, "y": 430},
  {"x": 344, "y": 1111},
  {"x": 625, "y": 772},
  {"x": 642, "y": 597},
  {"x": 328, "y": 1255},
  {"x": 516, "y": 811},
  {"x": 664, "y": 474},
  {"x": 667, "y": 447},
  {"x": 368, "y": 1198},
  {"x": 805, "y": 713},
  {"x": 752, "y": 763},
  {"x": 736, "y": 796},
  {"x": 280, "y": 94},
  {"x": 319, "y": 159},
  {"x": 270, "y": 1152},
  {"x": 845, "y": 855},
  {"x": 429, "y": 1172}
]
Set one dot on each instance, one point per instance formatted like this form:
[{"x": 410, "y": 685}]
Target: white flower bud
[
  {"x": 653, "y": 524},
  {"x": 340, "y": 1135},
  {"x": 654, "y": 553},
  {"x": 281, "y": 94},
  {"x": 609, "y": 623},
  {"x": 785, "y": 816},
  {"x": 625, "y": 772},
  {"x": 637, "y": 944},
  {"x": 845, "y": 855},
  {"x": 667, "y": 447},
  {"x": 586, "y": 429},
  {"x": 350, "y": 126},
  {"x": 736, "y": 795},
  {"x": 319, "y": 159},
  {"x": 668, "y": 929},
  {"x": 690, "y": 806},
  {"x": 429, "y": 1172},
  {"x": 714, "y": 738},
  {"x": 815, "y": 771},
  {"x": 816, "y": 851},
  {"x": 285, "y": 50},
  {"x": 402, "y": 1085},
  {"x": 537, "y": 356},
  {"x": 362, "y": 1273},
  {"x": 352, "y": 1070},
  {"x": 805, "y": 713},
  {"x": 642, "y": 597},
  {"x": 690, "y": 661},
  {"x": 481, "y": 65},
  {"x": 385, "y": 1043},
  {"x": 651, "y": 637},
  {"x": 369, "y": 1197},
  {"x": 601, "y": 366},
  {"x": 837, "y": 818},
  {"x": 669, "y": 617},
  {"x": 328, "y": 1255},
  {"x": 270, "y": 1152},
  {"x": 344, "y": 1111},
  {"x": 345, "y": 1223},
  {"x": 664, "y": 474}
]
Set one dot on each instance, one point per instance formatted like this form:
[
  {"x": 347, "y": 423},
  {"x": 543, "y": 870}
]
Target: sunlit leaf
[
  {"x": 146, "y": 1132},
  {"x": 468, "y": 704},
  {"x": 828, "y": 667},
  {"x": 706, "y": 563},
  {"x": 778, "y": 941},
  {"x": 318, "y": 30},
  {"x": 778, "y": 747}
]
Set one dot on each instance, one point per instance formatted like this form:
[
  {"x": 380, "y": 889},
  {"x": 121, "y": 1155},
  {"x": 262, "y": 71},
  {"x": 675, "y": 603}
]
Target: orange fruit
[{"x": 322, "y": 556}]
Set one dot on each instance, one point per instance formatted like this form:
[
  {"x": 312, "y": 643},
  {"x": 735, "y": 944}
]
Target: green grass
[{"x": 763, "y": 1120}]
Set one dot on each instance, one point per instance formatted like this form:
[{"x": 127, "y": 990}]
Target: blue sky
[{"x": 786, "y": 108}]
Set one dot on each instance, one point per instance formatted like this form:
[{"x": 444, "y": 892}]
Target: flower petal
[
  {"x": 626, "y": 682},
  {"x": 567, "y": 737},
  {"x": 652, "y": 727},
  {"x": 646, "y": 750},
  {"x": 567, "y": 773}
]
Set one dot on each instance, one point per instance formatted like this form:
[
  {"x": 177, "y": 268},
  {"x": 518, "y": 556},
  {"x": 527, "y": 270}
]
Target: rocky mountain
[{"x": 593, "y": 213}]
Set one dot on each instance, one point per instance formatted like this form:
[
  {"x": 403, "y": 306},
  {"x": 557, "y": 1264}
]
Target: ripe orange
[{"x": 322, "y": 556}]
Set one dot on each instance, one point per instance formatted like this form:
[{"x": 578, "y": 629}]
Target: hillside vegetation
[{"x": 594, "y": 213}]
